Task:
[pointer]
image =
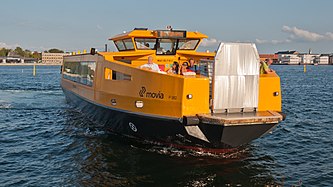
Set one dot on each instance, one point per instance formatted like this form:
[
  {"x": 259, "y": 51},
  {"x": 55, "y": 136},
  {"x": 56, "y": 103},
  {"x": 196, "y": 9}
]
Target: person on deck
[
  {"x": 185, "y": 71},
  {"x": 150, "y": 65},
  {"x": 192, "y": 67},
  {"x": 174, "y": 69},
  {"x": 264, "y": 67},
  {"x": 183, "y": 68}
]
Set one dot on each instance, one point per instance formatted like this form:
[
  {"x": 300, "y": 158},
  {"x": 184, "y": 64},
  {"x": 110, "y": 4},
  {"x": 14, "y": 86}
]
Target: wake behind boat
[{"x": 221, "y": 103}]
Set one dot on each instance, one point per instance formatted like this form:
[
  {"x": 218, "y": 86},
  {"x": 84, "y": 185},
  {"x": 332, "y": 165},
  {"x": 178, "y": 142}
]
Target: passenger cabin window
[
  {"x": 187, "y": 44},
  {"x": 110, "y": 74},
  {"x": 123, "y": 45},
  {"x": 80, "y": 72},
  {"x": 145, "y": 43}
]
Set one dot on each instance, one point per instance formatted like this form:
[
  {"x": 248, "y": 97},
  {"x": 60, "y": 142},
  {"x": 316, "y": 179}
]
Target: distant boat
[{"x": 222, "y": 104}]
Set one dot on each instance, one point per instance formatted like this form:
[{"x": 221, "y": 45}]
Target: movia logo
[
  {"x": 155, "y": 95},
  {"x": 142, "y": 91}
]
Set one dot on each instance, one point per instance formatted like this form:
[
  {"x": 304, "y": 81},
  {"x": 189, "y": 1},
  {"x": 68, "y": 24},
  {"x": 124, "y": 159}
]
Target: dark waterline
[{"x": 46, "y": 142}]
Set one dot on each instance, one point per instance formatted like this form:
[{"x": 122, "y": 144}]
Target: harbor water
[{"x": 46, "y": 142}]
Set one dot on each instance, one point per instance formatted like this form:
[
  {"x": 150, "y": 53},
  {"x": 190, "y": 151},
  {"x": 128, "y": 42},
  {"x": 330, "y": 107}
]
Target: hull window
[
  {"x": 110, "y": 74},
  {"x": 80, "y": 72}
]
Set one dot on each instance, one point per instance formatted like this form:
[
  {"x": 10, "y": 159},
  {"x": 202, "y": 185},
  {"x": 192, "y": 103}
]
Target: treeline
[{"x": 26, "y": 53}]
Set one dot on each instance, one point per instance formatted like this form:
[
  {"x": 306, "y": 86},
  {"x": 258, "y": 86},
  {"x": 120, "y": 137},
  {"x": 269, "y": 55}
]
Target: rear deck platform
[{"x": 245, "y": 118}]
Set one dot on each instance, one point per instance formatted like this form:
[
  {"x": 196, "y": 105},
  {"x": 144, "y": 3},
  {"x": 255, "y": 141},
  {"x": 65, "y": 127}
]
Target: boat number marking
[
  {"x": 132, "y": 126},
  {"x": 172, "y": 97}
]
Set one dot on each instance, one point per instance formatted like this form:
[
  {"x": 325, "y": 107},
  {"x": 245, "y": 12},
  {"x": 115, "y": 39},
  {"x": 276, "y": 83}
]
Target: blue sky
[{"x": 79, "y": 24}]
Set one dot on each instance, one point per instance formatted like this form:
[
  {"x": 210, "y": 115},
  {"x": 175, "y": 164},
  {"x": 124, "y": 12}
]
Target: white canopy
[{"x": 236, "y": 77}]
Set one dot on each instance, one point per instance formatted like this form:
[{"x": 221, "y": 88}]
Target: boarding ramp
[{"x": 235, "y": 79}]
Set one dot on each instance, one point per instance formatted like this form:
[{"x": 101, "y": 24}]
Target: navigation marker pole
[{"x": 34, "y": 71}]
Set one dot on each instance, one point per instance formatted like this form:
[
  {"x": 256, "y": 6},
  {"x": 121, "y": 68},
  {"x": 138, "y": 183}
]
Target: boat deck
[{"x": 245, "y": 118}]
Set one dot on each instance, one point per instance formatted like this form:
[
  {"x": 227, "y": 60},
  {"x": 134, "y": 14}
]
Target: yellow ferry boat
[{"x": 223, "y": 104}]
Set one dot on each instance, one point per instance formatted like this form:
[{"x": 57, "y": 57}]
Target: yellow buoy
[
  {"x": 304, "y": 68},
  {"x": 34, "y": 70}
]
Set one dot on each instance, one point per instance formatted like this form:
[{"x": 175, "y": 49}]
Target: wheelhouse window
[
  {"x": 166, "y": 43},
  {"x": 129, "y": 44},
  {"x": 80, "y": 72},
  {"x": 120, "y": 45},
  {"x": 145, "y": 43},
  {"x": 187, "y": 44},
  {"x": 123, "y": 45},
  {"x": 166, "y": 46}
]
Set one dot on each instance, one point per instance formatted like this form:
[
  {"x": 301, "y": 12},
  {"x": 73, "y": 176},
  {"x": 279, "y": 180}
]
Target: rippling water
[{"x": 46, "y": 142}]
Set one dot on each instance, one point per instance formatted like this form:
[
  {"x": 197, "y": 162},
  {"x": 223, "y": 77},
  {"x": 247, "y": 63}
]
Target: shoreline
[
  {"x": 28, "y": 64},
  {"x": 39, "y": 64}
]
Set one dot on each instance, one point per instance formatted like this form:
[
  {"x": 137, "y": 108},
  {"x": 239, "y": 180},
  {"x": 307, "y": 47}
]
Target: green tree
[
  {"x": 55, "y": 51},
  {"x": 19, "y": 51},
  {"x": 27, "y": 53},
  {"x": 37, "y": 55},
  {"x": 4, "y": 51}
]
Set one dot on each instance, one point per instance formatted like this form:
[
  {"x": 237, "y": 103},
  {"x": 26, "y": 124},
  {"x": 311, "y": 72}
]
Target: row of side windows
[{"x": 81, "y": 72}]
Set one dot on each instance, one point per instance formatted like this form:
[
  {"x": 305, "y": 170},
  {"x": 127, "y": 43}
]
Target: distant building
[
  {"x": 288, "y": 57},
  {"x": 274, "y": 57},
  {"x": 294, "y": 57},
  {"x": 17, "y": 60},
  {"x": 308, "y": 58},
  {"x": 53, "y": 58},
  {"x": 12, "y": 57},
  {"x": 322, "y": 59},
  {"x": 330, "y": 61},
  {"x": 287, "y": 52},
  {"x": 3, "y": 60}
]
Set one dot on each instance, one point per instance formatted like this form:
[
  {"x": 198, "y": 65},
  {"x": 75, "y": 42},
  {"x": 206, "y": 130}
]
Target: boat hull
[{"x": 168, "y": 131}]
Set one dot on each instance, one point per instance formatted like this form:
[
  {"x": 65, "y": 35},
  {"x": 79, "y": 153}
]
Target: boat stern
[{"x": 244, "y": 104}]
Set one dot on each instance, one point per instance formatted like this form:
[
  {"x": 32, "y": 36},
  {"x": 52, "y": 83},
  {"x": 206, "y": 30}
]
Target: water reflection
[{"x": 112, "y": 160}]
